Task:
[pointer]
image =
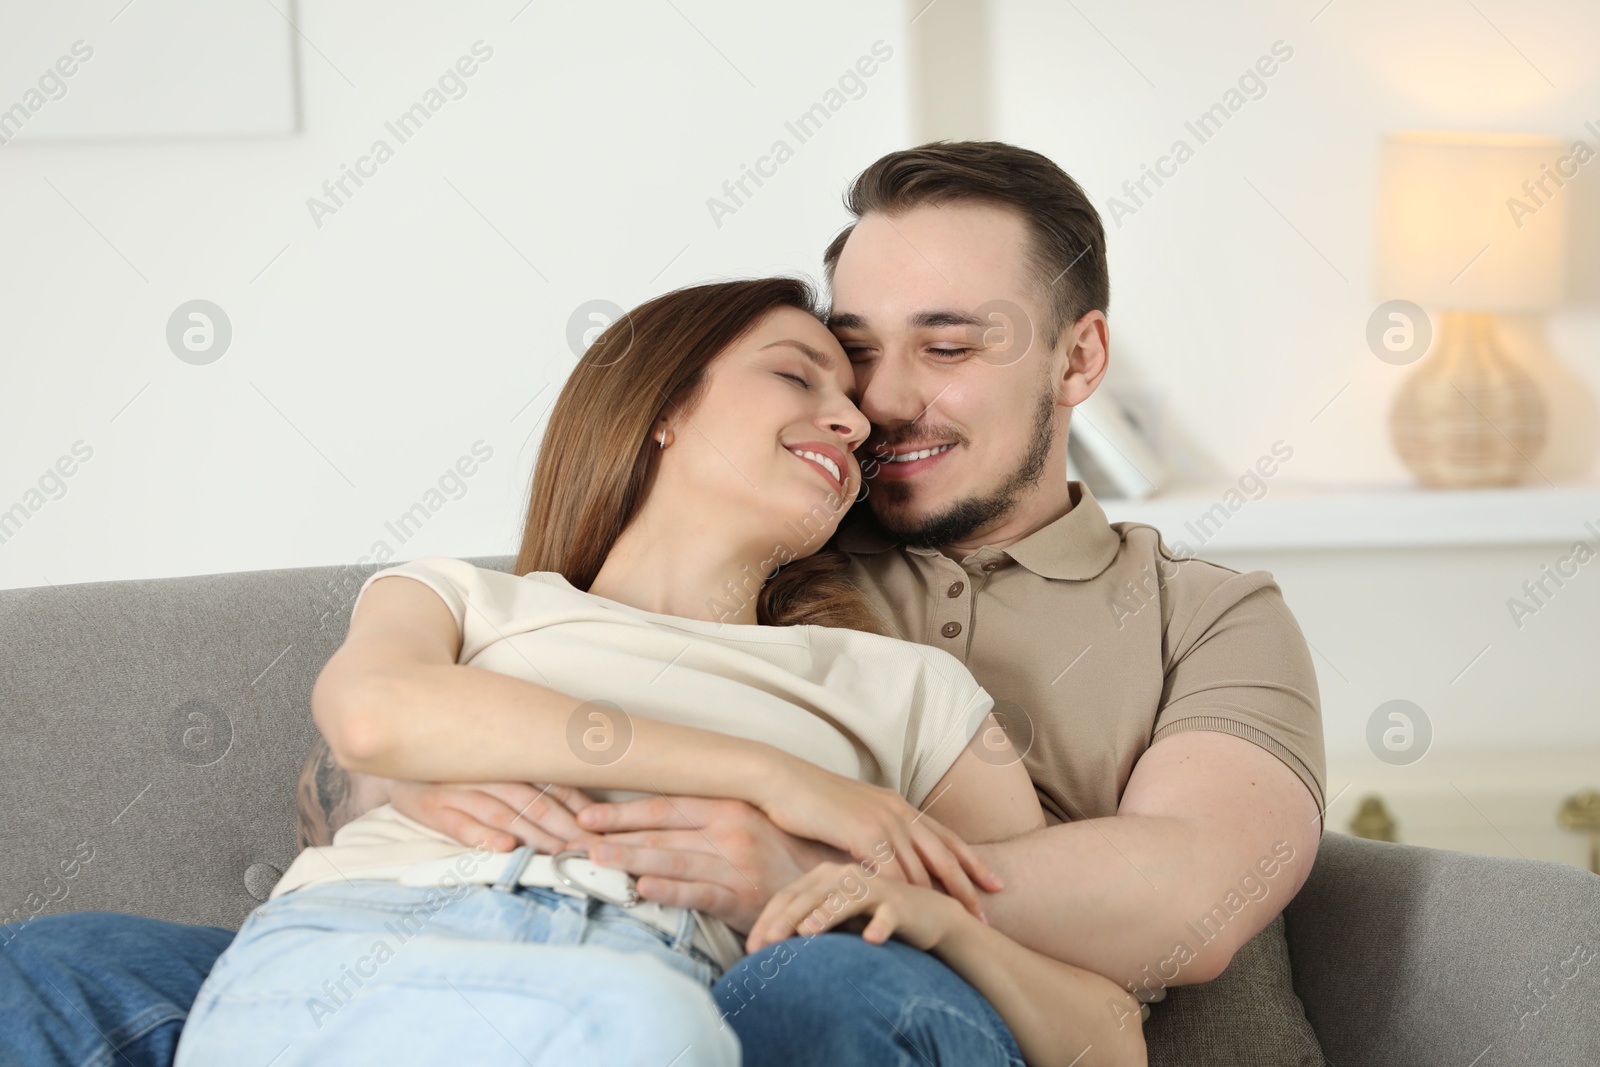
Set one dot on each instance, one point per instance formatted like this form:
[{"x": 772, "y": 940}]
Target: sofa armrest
[{"x": 1431, "y": 958}]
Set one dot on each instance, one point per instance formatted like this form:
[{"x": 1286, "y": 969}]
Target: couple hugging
[{"x": 921, "y": 790}]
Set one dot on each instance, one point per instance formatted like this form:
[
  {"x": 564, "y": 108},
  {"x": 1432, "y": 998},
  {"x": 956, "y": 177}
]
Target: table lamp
[{"x": 1470, "y": 224}]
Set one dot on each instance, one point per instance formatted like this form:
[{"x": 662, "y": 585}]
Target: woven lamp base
[{"x": 1469, "y": 416}]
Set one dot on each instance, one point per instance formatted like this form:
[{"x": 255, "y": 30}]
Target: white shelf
[
  {"x": 1301, "y": 517},
  {"x": 1498, "y": 803}
]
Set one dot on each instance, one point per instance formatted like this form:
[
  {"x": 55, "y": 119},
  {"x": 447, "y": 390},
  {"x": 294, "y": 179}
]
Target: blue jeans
[
  {"x": 843, "y": 1001},
  {"x": 90, "y": 989},
  {"x": 374, "y": 972}
]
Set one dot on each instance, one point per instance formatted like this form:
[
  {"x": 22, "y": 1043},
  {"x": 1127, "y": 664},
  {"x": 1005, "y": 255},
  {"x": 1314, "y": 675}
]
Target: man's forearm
[
  {"x": 1144, "y": 899},
  {"x": 1214, "y": 836},
  {"x": 328, "y": 796}
]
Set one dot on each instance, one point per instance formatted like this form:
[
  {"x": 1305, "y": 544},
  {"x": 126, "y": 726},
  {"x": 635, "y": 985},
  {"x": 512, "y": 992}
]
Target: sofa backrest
[{"x": 153, "y": 733}]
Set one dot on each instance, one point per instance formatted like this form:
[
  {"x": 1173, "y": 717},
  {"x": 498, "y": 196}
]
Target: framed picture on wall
[{"x": 148, "y": 68}]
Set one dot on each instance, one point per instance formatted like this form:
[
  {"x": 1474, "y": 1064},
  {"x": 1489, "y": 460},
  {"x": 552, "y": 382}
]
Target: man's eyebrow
[
  {"x": 941, "y": 317},
  {"x": 946, "y": 318},
  {"x": 819, "y": 358}
]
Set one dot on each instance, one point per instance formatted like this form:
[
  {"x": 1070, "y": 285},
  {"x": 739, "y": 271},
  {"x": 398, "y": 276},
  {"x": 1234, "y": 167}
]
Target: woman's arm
[
  {"x": 393, "y": 702},
  {"x": 987, "y": 795},
  {"x": 1059, "y": 1014},
  {"x": 494, "y": 815}
]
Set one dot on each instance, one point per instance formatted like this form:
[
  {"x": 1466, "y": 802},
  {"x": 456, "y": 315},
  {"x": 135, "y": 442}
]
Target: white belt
[{"x": 570, "y": 873}]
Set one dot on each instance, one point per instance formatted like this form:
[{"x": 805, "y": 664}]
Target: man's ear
[{"x": 1086, "y": 349}]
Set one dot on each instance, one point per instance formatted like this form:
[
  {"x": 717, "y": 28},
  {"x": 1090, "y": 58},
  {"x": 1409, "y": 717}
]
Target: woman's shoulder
[
  {"x": 456, "y": 568},
  {"x": 489, "y": 604},
  {"x": 910, "y": 661},
  {"x": 468, "y": 574}
]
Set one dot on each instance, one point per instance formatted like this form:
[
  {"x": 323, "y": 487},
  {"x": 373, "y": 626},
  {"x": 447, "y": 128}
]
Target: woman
[{"x": 704, "y": 440}]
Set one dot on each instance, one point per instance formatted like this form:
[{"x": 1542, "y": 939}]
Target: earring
[{"x": 663, "y": 439}]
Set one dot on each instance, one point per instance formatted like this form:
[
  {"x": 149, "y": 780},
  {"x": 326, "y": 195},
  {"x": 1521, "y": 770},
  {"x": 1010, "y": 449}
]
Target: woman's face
[{"x": 785, "y": 389}]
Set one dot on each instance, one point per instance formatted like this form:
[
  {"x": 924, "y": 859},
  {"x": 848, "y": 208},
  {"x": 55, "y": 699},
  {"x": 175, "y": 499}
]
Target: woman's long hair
[{"x": 598, "y": 458}]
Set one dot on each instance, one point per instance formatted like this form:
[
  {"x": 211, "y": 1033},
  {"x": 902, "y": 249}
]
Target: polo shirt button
[
  {"x": 950, "y": 629},
  {"x": 955, "y": 589}
]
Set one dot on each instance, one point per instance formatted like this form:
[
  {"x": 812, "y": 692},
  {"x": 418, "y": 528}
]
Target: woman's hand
[
  {"x": 496, "y": 815},
  {"x": 877, "y": 827},
  {"x": 832, "y": 893}
]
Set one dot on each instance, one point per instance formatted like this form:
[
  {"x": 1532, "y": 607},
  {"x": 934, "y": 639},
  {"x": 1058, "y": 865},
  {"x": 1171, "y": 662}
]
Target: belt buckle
[{"x": 582, "y": 853}]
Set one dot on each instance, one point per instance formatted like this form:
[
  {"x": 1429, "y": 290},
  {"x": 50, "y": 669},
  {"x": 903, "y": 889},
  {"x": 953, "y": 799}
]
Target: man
[{"x": 1167, "y": 706}]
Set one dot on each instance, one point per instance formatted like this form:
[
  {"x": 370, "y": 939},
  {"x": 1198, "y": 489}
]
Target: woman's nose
[{"x": 853, "y": 430}]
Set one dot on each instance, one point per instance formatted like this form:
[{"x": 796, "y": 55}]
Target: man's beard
[{"x": 961, "y": 520}]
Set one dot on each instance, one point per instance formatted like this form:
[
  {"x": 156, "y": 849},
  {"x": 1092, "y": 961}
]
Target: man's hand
[
  {"x": 499, "y": 816},
  {"x": 723, "y": 857}
]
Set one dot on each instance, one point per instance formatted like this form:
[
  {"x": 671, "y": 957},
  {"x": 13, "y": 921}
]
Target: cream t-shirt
[{"x": 865, "y": 706}]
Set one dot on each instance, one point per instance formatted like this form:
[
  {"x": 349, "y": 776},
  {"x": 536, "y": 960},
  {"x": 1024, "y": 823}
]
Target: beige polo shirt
[{"x": 1096, "y": 642}]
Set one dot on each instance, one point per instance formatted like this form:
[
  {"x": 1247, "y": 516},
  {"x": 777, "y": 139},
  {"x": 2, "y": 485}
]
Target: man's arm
[
  {"x": 1165, "y": 891},
  {"x": 1201, "y": 814},
  {"x": 1213, "y": 835}
]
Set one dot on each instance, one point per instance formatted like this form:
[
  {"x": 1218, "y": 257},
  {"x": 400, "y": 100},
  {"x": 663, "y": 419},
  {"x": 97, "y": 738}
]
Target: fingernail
[{"x": 984, "y": 917}]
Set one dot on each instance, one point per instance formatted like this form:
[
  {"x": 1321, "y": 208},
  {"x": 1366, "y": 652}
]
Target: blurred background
[{"x": 272, "y": 269}]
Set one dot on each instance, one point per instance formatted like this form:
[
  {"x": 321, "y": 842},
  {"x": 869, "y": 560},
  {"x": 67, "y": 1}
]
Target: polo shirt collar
[{"x": 1077, "y": 546}]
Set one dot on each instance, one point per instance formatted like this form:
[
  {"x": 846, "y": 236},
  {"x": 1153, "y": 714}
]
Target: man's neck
[{"x": 1028, "y": 517}]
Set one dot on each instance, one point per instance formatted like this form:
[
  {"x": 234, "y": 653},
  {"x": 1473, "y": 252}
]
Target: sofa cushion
[
  {"x": 1248, "y": 1016},
  {"x": 1435, "y": 958},
  {"x": 154, "y": 732}
]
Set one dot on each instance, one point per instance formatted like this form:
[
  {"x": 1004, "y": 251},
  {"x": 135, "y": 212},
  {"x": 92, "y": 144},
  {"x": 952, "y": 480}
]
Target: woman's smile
[{"x": 826, "y": 458}]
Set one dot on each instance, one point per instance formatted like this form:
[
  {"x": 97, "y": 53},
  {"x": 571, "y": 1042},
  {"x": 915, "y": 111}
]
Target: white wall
[
  {"x": 1240, "y": 295},
  {"x": 1248, "y": 327},
  {"x": 376, "y": 349}
]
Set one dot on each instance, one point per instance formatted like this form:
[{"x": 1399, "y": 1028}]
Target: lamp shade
[{"x": 1470, "y": 221}]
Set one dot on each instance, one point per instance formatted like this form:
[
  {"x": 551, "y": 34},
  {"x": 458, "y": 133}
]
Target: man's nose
[{"x": 893, "y": 394}]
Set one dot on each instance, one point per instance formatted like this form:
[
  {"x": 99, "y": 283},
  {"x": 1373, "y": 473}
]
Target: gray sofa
[{"x": 154, "y": 730}]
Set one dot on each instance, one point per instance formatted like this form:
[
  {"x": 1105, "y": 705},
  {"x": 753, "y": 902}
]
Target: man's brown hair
[{"x": 1068, "y": 251}]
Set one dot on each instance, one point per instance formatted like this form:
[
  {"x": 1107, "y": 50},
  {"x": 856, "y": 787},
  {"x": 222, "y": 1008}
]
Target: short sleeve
[
  {"x": 950, "y": 707},
  {"x": 451, "y": 579},
  {"x": 1241, "y": 666}
]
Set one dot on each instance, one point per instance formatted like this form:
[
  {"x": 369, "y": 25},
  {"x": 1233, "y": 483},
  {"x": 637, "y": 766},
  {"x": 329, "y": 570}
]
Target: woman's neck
[{"x": 696, "y": 569}]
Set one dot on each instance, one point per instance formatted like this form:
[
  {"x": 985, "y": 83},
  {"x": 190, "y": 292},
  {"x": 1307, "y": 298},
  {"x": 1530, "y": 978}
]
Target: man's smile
[{"x": 905, "y": 462}]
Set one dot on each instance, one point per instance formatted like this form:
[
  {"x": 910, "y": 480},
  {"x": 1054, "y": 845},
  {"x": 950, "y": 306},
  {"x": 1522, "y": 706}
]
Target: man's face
[{"x": 944, "y": 318}]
